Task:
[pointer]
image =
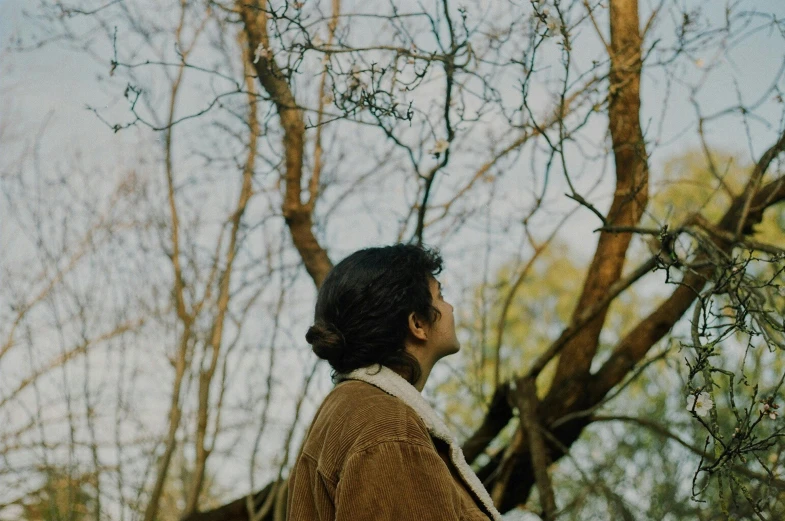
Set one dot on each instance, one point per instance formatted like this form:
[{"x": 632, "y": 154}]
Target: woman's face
[{"x": 442, "y": 340}]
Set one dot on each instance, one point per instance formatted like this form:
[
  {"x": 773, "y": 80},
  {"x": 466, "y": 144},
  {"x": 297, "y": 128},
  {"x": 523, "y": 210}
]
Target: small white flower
[
  {"x": 553, "y": 24},
  {"x": 261, "y": 52},
  {"x": 769, "y": 411},
  {"x": 440, "y": 147},
  {"x": 701, "y": 403}
]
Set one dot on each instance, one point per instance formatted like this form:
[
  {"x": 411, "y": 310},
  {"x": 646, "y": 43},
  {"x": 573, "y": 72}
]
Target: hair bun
[{"x": 327, "y": 341}]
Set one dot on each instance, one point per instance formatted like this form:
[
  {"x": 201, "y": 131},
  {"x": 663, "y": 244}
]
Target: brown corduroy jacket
[{"x": 376, "y": 451}]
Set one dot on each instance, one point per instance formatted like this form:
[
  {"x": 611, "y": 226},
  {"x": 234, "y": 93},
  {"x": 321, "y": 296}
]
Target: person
[{"x": 376, "y": 450}]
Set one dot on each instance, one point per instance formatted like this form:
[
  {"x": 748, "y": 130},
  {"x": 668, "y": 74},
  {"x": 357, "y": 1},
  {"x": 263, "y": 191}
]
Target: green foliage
[
  {"x": 689, "y": 185},
  {"x": 541, "y": 307}
]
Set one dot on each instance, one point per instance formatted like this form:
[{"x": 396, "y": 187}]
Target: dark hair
[{"x": 363, "y": 307}]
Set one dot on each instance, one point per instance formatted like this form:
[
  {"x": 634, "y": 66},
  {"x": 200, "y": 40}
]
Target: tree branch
[
  {"x": 527, "y": 402},
  {"x": 631, "y": 194},
  {"x": 666, "y": 433},
  {"x": 298, "y": 216}
]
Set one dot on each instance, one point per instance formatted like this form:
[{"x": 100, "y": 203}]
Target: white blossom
[
  {"x": 440, "y": 147},
  {"x": 768, "y": 410},
  {"x": 701, "y": 403},
  {"x": 553, "y": 25},
  {"x": 261, "y": 52}
]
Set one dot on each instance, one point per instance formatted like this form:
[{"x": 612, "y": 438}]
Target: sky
[{"x": 51, "y": 88}]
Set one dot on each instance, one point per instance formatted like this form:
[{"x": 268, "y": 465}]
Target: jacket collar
[{"x": 392, "y": 383}]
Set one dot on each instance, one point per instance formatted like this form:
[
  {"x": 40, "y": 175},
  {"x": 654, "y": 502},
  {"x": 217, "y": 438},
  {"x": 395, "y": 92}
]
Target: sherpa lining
[{"x": 392, "y": 383}]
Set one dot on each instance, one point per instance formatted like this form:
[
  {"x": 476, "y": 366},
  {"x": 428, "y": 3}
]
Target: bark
[
  {"x": 631, "y": 194},
  {"x": 498, "y": 416},
  {"x": 528, "y": 403},
  {"x": 298, "y": 215},
  {"x": 578, "y": 344}
]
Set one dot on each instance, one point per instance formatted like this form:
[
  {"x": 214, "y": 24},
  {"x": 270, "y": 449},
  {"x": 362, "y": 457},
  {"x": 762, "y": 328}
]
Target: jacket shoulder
[
  {"x": 355, "y": 416},
  {"x": 374, "y": 415}
]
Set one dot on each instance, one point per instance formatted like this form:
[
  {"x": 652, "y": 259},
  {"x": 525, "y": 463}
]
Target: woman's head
[{"x": 365, "y": 303}]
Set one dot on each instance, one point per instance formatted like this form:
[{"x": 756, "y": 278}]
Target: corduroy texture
[{"x": 379, "y": 452}]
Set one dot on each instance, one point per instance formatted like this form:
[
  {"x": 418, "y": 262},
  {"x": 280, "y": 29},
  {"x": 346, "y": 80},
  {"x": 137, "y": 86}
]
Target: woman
[{"x": 376, "y": 450}]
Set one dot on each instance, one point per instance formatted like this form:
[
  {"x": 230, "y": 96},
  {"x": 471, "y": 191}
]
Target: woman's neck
[{"x": 425, "y": 372}]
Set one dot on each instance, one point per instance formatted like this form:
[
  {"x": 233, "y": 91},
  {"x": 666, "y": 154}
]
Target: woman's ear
[{"x": 417, "y": 327}]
